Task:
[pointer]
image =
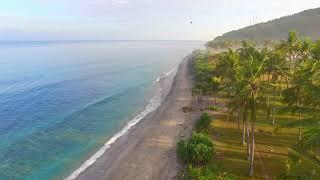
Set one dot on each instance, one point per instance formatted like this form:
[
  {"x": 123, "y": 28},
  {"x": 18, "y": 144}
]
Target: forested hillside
[{"x": 307, "y": 23}]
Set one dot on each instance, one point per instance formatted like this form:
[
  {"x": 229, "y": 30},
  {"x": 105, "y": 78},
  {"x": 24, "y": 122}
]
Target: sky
[{"x": 37, "y": 20}]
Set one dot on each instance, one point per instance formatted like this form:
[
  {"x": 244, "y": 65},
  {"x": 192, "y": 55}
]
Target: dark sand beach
[{"x": 148, "y": 150}]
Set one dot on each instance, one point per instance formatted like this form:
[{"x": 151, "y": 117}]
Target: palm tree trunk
[
  {"x": 268, "y": 107},
  {"x": 273, "y": 105},
  {"x": 253, "y": 119},
  {"x": 228, "y": 105},
  {"x": 238, "y": 119},
  {"x": 215, "y": 99},
  {"x": 268, "y": 100},
  {"x": 287, "y": 81},
  {"x": 243, "y": 133},
  {"x": 281, "y": 79},
  {"x": 244, "y": 121},
  {"x": 248, "y": 141},
  {"x": 252, "y": 149},
  {"x": 300, "y": 128},
  {"x": 300, "y": 122},
  {"x": 196, "y": 99},
  {"x": 290, "y": 68}
]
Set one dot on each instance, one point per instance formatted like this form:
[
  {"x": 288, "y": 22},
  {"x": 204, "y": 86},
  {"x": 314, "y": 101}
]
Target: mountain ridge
[{"x": 307, "y": 23}]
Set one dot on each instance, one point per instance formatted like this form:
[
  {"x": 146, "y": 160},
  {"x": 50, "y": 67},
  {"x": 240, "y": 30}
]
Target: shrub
[
  {"x": 203, "y": 123},
  {"x": 196, "y": 150},
  {"x": 213, "y": 108},
  {"x": 210, "y": 172}
]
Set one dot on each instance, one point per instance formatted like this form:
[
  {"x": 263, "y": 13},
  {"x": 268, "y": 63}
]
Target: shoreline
[
  {"x": 162, "y": 86},
  {"x": 138, "y": 139}
]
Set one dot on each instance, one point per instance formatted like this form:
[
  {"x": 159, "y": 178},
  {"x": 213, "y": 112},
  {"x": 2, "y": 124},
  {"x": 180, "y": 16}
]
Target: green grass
[{"x": 272, "y": 146}]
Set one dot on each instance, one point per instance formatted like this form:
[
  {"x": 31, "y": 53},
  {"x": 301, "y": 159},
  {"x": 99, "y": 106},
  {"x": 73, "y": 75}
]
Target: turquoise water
[{"x": 61, "y": 101}]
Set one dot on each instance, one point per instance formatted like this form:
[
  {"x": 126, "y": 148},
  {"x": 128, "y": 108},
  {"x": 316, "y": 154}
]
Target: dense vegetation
[
  {"x": 260, "y": 85},
  {"x": 197, "y": 150},
  {"x": 306, "y": 22}
]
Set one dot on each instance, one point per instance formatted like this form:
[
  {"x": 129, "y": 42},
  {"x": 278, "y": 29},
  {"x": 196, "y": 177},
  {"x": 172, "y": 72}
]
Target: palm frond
[{"x": 311, "y": 138}]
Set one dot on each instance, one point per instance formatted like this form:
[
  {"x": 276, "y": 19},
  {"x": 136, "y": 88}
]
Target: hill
[{"x": 307, "y": 23}]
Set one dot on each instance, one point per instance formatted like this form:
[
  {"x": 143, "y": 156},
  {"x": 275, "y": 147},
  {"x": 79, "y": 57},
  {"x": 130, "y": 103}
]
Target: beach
[{"x": 148, "y": 149}]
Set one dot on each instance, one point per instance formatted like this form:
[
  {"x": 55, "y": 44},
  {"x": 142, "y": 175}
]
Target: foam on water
[
  {"x": 164, "y": 75},
  {"x": 157, "y": 80}
]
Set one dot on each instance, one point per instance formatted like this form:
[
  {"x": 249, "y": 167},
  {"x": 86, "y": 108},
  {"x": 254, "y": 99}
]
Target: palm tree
[
  {"x": 311, "y": 139},
  {"x": 311, "y": 104},
  {"x": 315, "y": 51},
  {"x": 275, "y": 66},
  {"x": 215, "y": 87},
  {"x": 303, "y": 91},
  {"x": 241, "y": 101},
  {"x": 226, "y": 70},
  {"x": 291, "y": 48},
  {"x": 252, "y": 68},
  {"x": 306, "y": 48},
  {"x": 238, "y": 103}
]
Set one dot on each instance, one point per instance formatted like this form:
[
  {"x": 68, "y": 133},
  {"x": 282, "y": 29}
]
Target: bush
[
  {"x": 203, "y": 123},
  {"x": 213, "y": 108},
  {"x": 210, "y": 172},
  {"x": 196, "y": 150}
]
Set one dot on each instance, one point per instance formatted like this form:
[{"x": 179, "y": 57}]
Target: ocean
[{"x": 63, "y": 103}]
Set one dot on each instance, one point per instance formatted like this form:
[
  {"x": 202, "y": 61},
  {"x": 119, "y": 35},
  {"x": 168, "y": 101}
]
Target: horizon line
[{"x": 84, "y": 40}]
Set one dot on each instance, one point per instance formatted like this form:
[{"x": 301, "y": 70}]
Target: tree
[
  {"x": 196, "y": 92},
  {"x": 252, "y": 69},
  {"x": 311, "y": 139},
  {"x": 215, "y": 87},
  {"x": 275, "y": 66},
  {"x": 315, "y": 51},
  {"x": 291, "y": 49},
  {"x": 226, "y": 70},
  {"x": 303, "y": 91}
]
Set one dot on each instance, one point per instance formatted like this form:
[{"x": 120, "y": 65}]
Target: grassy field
[{"x": 272, "y": 148}]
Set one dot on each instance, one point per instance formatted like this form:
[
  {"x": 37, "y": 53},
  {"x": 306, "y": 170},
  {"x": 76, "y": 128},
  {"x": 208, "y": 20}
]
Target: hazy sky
[{"x": 136, "y": 19}]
